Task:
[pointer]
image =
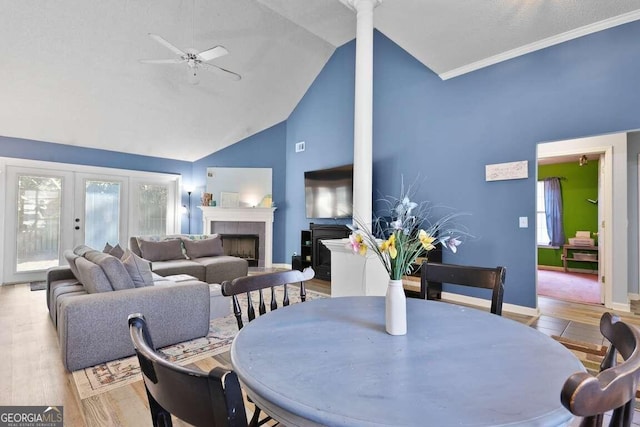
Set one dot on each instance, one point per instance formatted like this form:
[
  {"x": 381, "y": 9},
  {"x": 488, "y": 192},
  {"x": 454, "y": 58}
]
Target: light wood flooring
[{"x": 31, "y": 372}]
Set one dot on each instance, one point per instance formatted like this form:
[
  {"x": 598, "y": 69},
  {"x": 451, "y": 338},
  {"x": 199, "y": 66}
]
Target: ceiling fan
[{"x": 195, "y": 60}]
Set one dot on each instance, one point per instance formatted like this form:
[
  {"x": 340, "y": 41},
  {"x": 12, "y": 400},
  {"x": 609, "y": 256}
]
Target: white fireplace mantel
[{"x": 264, "y": 215}]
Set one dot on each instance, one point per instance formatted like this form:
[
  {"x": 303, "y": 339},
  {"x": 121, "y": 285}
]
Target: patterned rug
[{"x": 117, "y": 373}]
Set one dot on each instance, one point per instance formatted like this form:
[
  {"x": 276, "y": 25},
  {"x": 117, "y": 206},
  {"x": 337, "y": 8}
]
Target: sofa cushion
[
  {"x": 138, "y": 268},
  {"x": 223, "y": 267},
  {"x": 62, "y": 287},
  {"x": 203, "y": 248},
  {"x": 161, "y": 251},
  {"x": 113, "y": 269},
  {"x": 80, "y": 250},
  {"x": 182, "y": 266},
  {"x": 70, "y": 256},
  {"x": 92, "y": 276}
]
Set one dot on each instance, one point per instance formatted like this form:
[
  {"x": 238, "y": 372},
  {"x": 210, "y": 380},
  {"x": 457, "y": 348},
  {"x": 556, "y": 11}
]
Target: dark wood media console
[{"x": 313, "y": 253}]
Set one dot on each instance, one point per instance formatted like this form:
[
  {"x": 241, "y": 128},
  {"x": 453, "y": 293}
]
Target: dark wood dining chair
[
  {"x": 614, "y": 388},
  {"x": 200, "y": 398},
  {"x": 258, "y": 283},
  {"x": 434, "y": 274}
]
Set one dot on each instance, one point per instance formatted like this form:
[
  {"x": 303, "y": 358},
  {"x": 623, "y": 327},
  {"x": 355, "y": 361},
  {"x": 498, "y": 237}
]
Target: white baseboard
[
  {"x": 285, "y": 266},
  {"x": 617, "y": 306},
  {"x": 480, "y": 302}
]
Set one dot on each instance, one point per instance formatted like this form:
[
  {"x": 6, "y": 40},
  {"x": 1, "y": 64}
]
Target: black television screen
[{"x": 329, "y": 192}]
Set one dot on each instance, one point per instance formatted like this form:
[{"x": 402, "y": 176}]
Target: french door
[{"x": 48, "y": 210}]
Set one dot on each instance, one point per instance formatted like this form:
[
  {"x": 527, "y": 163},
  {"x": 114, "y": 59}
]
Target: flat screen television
[{"x": 329, "y": 192}]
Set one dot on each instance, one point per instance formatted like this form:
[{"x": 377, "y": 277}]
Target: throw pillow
[
  {"x": 161, "y": 251},
  {"x": 117, "y": 251},
  {"x": 92, "y": 276},
  {"x": 203, "y": 248},
  {"x": 138, "y": 269},
  {"x": 113, "y": 269},
  {"x": 107, "y": 248}
]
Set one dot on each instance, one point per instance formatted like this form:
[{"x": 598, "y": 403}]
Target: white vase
[{"x": 396, "y": 309}]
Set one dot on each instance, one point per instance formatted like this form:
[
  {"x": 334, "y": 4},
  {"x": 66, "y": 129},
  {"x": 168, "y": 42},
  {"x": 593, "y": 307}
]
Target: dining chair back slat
[
  {"x": 200, "y": 398},
  {"x": 258, "y": 283},
  {"x": 614, "y": 388},
  {"x": 478, "y": 277}
]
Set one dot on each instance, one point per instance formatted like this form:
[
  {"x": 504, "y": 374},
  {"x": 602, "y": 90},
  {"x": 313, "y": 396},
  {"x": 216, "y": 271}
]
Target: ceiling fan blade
[
  {"x": 163, "y": 61},
  {"x": 214, "y": 52},
  {"x": 166, "y": 44},
  {"x": 220, "y": 71}
]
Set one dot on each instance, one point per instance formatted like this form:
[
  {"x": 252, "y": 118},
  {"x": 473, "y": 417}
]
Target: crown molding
[{"x": 541, "y": 44}]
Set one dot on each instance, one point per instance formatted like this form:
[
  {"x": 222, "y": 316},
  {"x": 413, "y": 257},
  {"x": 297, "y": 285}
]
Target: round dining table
[{"x": 330, "y": 362}]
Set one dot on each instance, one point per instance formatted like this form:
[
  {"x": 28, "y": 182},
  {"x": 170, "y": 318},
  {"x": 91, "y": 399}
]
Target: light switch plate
[
  {"x": 524, "y": 222},
  {"x": 300, "y": 146}
]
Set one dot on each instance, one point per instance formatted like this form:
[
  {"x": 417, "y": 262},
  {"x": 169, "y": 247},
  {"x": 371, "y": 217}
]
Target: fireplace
[
  {"x": 245, "y": 246},
  {"x": 243, "y": 221}
]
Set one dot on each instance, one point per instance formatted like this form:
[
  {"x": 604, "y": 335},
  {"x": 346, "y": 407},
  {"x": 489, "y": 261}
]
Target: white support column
[
  {"x": 363, "y": 113},
  {"x": 352, "y": 274}
]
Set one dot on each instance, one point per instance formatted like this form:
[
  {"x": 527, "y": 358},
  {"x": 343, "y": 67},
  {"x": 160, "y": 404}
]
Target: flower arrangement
[{"x": 405, "y": 234}]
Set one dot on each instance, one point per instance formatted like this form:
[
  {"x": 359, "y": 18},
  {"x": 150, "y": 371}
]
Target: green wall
[{"x": 580, "y": 184}]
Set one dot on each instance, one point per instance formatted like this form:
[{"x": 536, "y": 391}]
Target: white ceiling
[{"x": 69, "y": 70}]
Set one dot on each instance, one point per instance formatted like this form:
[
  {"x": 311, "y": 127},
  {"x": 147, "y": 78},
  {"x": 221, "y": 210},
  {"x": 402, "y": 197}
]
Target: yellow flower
[
  {"x": 426, "y": 240},
  {"x": 390, "y": 245}
]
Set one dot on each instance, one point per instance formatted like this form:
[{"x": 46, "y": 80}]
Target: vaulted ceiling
[{"x": 70, "y": 70}]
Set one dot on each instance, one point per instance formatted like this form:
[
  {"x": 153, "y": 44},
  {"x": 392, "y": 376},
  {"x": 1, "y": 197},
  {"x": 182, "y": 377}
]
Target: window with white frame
[{"x": 542, "y": 236}]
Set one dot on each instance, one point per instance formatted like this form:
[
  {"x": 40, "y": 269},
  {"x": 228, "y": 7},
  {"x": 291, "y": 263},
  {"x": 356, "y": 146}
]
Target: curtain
[{"x": 553, "y": 211}]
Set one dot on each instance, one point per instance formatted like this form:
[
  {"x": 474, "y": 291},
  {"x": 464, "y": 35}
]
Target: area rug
[
  {"x": 576, "y": 287},
  {"x": 117, "y": 373},
  {"x": 40, "y": 285}
]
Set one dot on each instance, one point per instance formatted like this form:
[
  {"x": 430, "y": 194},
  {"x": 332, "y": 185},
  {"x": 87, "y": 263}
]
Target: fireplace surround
[{"x": 238, "y": 221}]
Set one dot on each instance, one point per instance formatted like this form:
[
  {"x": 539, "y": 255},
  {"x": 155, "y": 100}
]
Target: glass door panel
[
  {"x": 101, "y": 213},
  {"x": 38, "y": 211},
  {"x": 36, "y": 229},
  {"x": 100, "y": 210}
]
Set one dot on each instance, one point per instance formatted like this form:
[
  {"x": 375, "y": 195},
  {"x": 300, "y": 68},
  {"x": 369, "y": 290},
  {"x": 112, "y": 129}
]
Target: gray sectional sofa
[
  {"x": 90, "y": 300},
  {"x": 200, "y": 256}
]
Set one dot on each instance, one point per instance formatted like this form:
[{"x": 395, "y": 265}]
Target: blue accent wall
[
  {"x": 324, "y": 120},
  {"x": 445, "y": 132},
  {"x": 263, "y": 150}
]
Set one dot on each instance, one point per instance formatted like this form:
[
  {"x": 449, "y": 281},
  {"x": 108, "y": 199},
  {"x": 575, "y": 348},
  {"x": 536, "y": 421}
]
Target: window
[{"x": 542, "y": 236}]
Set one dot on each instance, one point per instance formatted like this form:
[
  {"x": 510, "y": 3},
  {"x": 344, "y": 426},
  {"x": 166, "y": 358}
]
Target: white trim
[
  {"x": 484, "y": 303},
  {"x": 544, "y": 43},
  {"x": 598, "y": 145},
  {"x": 621, "y": 307}
]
